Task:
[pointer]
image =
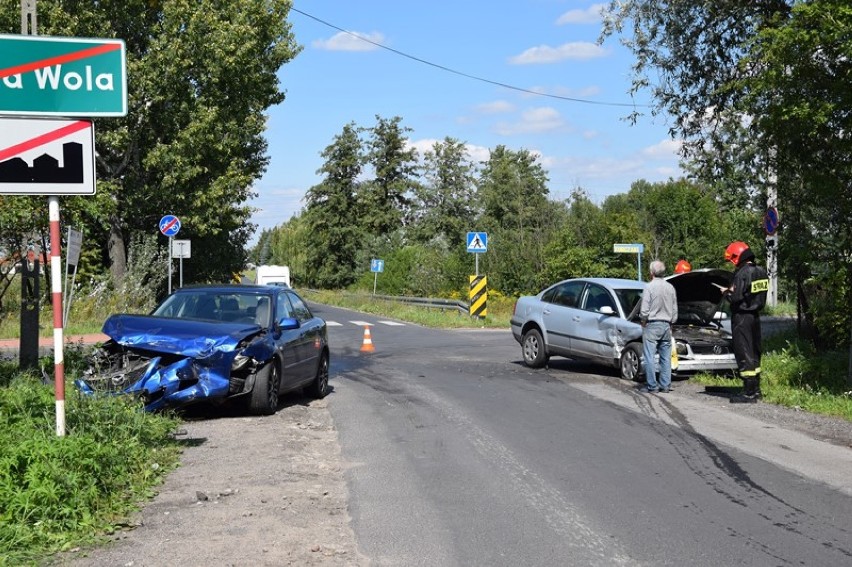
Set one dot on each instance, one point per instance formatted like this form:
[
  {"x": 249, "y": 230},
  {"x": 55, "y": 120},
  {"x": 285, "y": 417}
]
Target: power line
[{"x": 463, "y": 74}]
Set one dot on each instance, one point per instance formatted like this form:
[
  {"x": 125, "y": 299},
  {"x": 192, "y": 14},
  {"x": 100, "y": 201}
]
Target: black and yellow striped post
[{"x": 478, "y": 296}]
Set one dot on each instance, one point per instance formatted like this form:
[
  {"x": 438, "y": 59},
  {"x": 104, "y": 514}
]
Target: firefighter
[
  {"x": 747, "y": 296},
  {"x": 682, "y": 267}
]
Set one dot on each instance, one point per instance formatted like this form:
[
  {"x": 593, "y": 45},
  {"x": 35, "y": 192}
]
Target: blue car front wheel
[{"x": 264, "y": 394}]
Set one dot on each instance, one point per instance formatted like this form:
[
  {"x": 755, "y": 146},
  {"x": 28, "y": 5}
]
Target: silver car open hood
[{"x": 699, "y": 294}]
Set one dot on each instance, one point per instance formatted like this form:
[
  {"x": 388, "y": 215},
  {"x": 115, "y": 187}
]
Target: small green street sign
[
  {"x": 632, "y": 248},
  {"x": 62, "y": 76}
]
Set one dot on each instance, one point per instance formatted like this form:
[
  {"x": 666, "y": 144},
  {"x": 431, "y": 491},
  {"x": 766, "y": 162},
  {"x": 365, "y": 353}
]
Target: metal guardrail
[{"x": 430, "y": 302}]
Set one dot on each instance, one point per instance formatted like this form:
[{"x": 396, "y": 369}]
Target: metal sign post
[
  {"x": 169, "y": 226},
  {"x": 181, "y": 249},
  {"x": 72, "y": 260}
]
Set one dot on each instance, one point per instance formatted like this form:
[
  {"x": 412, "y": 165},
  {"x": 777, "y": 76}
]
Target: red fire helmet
[{"x": 734, "y": 251}]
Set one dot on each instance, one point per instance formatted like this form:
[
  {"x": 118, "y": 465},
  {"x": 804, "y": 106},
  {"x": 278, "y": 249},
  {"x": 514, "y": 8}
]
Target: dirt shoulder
[{"x": 249, "y": 491}]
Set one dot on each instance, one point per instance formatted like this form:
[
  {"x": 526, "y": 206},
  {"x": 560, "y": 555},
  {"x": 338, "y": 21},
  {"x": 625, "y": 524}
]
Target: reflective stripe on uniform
[{"x": 758, "y": 286}]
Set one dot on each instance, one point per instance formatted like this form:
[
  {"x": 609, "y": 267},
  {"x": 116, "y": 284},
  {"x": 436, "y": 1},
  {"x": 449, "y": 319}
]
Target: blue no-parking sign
[{"x": 169, "y": 225}]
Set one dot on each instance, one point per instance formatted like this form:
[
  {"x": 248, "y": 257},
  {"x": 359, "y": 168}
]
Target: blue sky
[{"x": 545, "y": 46}]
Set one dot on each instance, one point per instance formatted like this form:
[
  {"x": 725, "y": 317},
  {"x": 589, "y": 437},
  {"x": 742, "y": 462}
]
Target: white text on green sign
[{"x": 49, "y": 76}]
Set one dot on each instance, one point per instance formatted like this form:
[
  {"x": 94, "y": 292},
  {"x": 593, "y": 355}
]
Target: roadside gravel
[{"x": 250, "y": 491}]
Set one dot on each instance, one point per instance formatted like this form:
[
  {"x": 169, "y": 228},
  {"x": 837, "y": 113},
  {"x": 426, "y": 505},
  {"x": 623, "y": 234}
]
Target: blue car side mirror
[{"x": 288, "y": 323}]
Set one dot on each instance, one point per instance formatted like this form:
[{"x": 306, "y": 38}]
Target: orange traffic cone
[{"x": 367, "y": 345}]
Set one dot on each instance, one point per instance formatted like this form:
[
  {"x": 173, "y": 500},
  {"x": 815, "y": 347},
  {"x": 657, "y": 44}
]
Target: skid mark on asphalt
[{"x": 724, "y": 475}]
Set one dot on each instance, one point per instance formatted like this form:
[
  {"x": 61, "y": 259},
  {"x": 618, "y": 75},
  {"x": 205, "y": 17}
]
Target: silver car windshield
[{"x": 628, "y": 298}]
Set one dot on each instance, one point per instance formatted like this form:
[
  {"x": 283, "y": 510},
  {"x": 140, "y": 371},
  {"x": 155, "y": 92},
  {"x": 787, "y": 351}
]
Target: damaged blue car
[{"x": 223, "y": 343}]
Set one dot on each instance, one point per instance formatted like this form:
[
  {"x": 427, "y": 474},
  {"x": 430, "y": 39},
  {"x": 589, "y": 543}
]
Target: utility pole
[{"x": 770, "y": 227}]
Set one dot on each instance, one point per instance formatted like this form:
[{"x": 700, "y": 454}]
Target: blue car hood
[{"x": 186, "y": 337}]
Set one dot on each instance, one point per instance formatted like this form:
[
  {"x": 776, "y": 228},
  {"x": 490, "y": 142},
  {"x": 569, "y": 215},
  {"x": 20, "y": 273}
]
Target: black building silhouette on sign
[{"x": 45, "y": 168}]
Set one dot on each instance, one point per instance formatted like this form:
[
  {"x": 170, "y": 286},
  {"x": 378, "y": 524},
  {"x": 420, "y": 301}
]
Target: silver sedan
[{"x": 597, "y": 319}]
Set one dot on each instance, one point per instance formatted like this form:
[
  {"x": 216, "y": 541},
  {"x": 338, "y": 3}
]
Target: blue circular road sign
[
  {"x": 169, "y": 225},
  {"x": 770, "y": 221}
]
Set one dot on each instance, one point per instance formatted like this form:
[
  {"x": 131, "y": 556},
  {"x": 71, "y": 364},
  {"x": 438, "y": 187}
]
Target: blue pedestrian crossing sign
[{"x": 477, "y": 242}]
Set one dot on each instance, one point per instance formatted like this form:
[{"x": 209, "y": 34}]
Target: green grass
[
  {"x": 62, "y": 492},
  {"x": 86, "y": 316},
  {"x": 793, "y": 374}
]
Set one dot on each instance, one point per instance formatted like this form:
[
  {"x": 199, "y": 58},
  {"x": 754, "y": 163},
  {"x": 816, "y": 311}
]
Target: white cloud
[
  {"x": 422, "y": 146},
  {"x": 475, "y": 153},
  {"x": 666, "y": 149},
  {"x": 495, "y": 107},
  {"x": 542, "y": 119},
  {"x": 344, "y": 41},
  {"x": 590, "y": 15},
  {"x": 575, "y": 50}
]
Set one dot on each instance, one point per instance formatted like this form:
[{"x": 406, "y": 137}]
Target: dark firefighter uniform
[{"x": 747, "y": 297}]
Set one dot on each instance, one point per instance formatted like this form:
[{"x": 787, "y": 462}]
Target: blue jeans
[{"x": 657, "y": 339}]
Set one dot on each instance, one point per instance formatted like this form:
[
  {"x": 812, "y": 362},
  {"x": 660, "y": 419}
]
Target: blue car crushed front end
[{"x": 176, "y": 362}]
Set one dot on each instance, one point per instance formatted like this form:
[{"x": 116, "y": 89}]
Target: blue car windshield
[{"x": 228, "y": 306}]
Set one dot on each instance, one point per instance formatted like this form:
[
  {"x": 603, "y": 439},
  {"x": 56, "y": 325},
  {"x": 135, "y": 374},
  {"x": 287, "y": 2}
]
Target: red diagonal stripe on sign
[
  {"x": 59, "y": 59},
  {"x": 43, "y": 139}
]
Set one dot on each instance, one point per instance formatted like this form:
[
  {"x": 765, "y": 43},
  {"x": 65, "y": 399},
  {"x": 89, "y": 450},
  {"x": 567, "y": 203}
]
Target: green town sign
[{"x": 62, "y": 76}]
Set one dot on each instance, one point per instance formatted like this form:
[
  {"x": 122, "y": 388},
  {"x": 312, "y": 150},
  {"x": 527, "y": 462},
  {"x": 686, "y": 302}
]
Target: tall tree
[
  {"x": 513, "y": 193},
  {"x": 443, "y": 208},
  {"x": 777, "y": 71},
  {"x": 332, "y": 214},
  {"x": 387, "y": 197},
  {"x": 200, "y": 76}
]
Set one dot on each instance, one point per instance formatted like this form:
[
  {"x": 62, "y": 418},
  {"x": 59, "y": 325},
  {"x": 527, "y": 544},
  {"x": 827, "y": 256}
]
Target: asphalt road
[{"x": 457, "y": 454}]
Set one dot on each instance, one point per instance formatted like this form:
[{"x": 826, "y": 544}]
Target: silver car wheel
[
  {"x": 631, "y": 363},
  {"x": 535, "y": 355}
]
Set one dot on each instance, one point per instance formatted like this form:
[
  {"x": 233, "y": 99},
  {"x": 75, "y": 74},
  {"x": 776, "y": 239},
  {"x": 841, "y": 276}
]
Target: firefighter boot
[{"x": 750, "y": 392}]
